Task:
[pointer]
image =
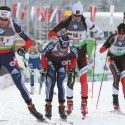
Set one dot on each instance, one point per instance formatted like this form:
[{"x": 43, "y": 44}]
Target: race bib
[
  {"x": 76, "y": 36},
  {"x": 6, "y": 42},
  {"x": 118, "y": 51}
]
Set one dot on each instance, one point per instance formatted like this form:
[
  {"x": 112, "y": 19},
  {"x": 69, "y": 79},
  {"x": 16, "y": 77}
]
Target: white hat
[{"x": 77, "y": 9}]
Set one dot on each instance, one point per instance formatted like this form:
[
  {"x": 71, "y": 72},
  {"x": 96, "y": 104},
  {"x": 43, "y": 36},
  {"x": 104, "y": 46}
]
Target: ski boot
[
  {"x": 48, "y": 111},
  {"x": 116, "y": 103},
  {"x": 62, "y": 112},
  {"x": 84, "y": 109},
  {"x": 31, "y": 89},
  {"x": 35, "y": 113},
  {"x": 69, "y": 106}
]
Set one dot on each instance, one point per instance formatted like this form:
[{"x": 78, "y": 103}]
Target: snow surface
[{"x": 13, "y": 110}]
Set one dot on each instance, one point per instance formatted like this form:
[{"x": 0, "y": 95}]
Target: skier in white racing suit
[{"x": 115, "y": 45}]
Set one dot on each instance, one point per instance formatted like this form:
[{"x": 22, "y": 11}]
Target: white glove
[{"x": 99, "y": 34}]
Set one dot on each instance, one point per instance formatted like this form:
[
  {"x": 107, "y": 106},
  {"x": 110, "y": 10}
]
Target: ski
[
  {"x": 50, "y": 122},
  {"x": 68, "y": 122},
  {"x": 117, "y": 112},
  {"x": 3, "y": 120},
  {"x": 58, "y": 123}
]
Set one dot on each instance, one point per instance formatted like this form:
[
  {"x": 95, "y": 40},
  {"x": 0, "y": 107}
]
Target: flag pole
[
  {"x": 47, "y": 21},
  {"x": 5, "y": 2},
  {"x": 27, "y": 20}
]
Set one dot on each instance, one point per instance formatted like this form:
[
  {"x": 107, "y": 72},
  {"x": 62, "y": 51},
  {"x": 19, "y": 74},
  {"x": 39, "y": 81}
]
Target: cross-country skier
[
  {"x": 55, "y": 59},
  {"x": 76, "y": 26},
  {"x": 8, "y": 30},
  {"x": 34, "y": 63},
  {"x": 116, "y": 59}
]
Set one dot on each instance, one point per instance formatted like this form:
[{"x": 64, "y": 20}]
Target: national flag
[{"x": 16, "y": 10}]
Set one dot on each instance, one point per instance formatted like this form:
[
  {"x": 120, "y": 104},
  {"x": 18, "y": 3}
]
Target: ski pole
[
  {"x": 101, "y": 83},
  {"x": 124, "y": 18},
  {"x": 93, "y": 70}
]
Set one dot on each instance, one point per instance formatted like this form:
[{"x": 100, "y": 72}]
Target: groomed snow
[{"x": 13, "y": 110}]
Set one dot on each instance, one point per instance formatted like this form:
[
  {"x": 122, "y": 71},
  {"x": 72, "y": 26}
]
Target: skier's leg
[
  {"x": 123, "y": 81},
  {"x": 82, "y": 65},
  {"x": 84, "y": 93},
  {"x": 69, "y": 89},
  {"x": 10, "y": 64},
  {"x": 50, "y": 83},
  {"x": 115, "y": 87},
  {"x": 61, "y": 74}
]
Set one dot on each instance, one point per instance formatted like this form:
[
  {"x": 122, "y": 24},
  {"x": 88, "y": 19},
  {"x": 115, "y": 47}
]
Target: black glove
[
  {"x": 21, "y": 51},
  {"x": 71, "y": 78},
  {"x": 70, "y": 73}
]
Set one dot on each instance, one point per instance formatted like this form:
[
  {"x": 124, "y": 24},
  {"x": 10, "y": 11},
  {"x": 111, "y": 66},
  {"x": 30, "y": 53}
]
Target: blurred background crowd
[{"x": 38, "y": 16}]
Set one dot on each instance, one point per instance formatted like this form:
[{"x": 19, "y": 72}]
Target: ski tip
[
  {"x": 117, "y": 112},
  {"x": 3, "y": 120},
  {"x": 41, "y": 120}
]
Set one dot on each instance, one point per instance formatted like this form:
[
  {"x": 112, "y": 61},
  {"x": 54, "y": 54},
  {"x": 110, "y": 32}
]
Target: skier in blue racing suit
[
  {"x": 55, "y": 60},
  {"x": 8, "y": 30}
]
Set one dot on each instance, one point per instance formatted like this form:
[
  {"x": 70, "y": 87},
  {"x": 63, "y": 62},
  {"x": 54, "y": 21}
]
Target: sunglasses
[
  {"x": 76, "y": 15},
  {"x": 3, "y": 19}
]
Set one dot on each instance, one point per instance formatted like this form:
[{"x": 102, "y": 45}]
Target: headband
[{"x": 5, "y": 13}]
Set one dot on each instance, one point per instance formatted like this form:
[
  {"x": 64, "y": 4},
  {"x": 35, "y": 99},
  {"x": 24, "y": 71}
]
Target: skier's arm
[
  {"x": 44, "y": 63},
  {"x": 73, "y": 58},
  {"x": 73, "y": 52},
  {"x": 21, "y": 33},
  {"x": 73, "y": 63},
  {"x": 57, "y": 28},
  {"x": 108, "y": 43},
  {"x": 98, "y": 32},
  {"x": 48, "y": 48}
]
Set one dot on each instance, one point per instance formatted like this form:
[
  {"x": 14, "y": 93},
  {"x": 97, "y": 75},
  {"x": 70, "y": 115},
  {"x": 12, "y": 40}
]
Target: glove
[
  {"x": 99, "y": 34},
  {"x": 102, "y": 49},
  {"x": 21, "y": 51},
  {"x": 52, "y": 34},
  {"x": 70, "y": 72},
  {"x": 44, "y": 72}
]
